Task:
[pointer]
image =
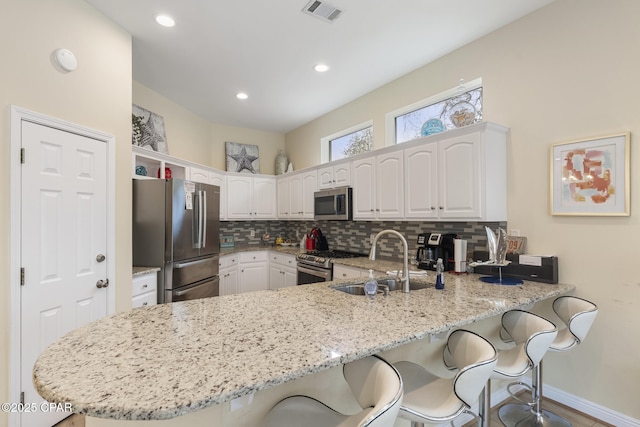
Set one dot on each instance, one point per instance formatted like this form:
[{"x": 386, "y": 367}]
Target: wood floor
[{"x": 576, "y": 418}]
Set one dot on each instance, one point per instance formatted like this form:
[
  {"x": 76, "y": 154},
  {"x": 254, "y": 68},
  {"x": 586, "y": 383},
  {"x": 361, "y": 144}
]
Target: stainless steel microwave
[{"x": 335, "y": 203}]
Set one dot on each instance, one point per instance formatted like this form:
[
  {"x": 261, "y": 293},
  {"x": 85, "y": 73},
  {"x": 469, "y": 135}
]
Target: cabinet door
[
  {"x": 218, "y": 179},
  {"x": 364, "y": 188},
  {"x": 309, "y": 186},
  {"x": 290, "y": 276},
  {"x": 421, "y": 181},
  {"x": 264, "y": 198},
  {"x": 295, "y": 197},
  {"x": 239, "y": 197},
  {"x": 325, "y": 177},
  {"x": 342, "y": 175},
  {"x": 276, "y": 281},
  {"x": 229, "y": 281},
  {"x": 390, "y": 186},
  {"x": 284, "y": 198},
  {"x": 199, "y": 175},
  {"x": 344, "y": 272},
  {"x": 459, "y": 186},
  {"x": 253, "y": 277}
]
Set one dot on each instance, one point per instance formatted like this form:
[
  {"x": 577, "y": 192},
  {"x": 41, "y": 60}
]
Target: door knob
[
  {"x": 102, "y": 283},
  {"x": 100, "y": 258}
]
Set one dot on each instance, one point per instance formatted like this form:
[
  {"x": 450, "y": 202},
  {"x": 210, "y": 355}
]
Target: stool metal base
[{"x": 521, "y": 415}]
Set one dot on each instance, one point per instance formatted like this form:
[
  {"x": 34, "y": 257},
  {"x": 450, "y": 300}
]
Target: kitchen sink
[{"x": 392, "y": 284}]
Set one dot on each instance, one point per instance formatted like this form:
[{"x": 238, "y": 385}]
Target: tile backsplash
[{"x": 354, "y": 236}]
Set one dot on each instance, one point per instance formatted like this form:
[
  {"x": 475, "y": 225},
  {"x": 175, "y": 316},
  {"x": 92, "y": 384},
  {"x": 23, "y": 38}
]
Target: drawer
[
  {"x": 283, "y": 259},
  {"x": 144, "y": 283},
  {"x": 229, "y": 260},
  {"x": 344, "y": 272},
  {"x": 143, "y": 300},
  {"x": 254, "y": 256}
]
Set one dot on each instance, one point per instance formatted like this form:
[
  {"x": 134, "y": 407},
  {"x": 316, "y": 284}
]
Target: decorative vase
[{"x": 281, "y": 162}]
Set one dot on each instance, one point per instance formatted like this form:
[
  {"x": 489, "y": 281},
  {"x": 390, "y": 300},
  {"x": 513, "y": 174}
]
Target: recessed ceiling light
[
  {"x": 321, "y": 68},
  {"x": 165, "y": 20},
  {"x": 242, "y": 95}
]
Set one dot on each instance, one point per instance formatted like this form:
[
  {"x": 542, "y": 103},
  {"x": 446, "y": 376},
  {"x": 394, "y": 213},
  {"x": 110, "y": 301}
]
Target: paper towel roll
[{"x": 460, "y": 255}]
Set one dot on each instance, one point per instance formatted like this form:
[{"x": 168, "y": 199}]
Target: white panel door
[
  {"x": 364, "y": 188},
  {"x": 64, "y": 243},
  {"x": 460, "y": 183},
  {"x": 390, "y": 186},
  {"x": 421, "y": 181}
]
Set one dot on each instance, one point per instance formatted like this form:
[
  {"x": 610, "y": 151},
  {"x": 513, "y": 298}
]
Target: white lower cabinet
[
  {"x": 253, "y": 271},
  {"x": 345, "y": 272},
  {"x": 144, "y": 289},
  {"x": 229, "y": 274},
  {"x": 282, "y": 270}
]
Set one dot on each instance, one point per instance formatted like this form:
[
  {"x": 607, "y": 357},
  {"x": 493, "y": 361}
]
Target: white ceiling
[{"x": 268, "y": 49}]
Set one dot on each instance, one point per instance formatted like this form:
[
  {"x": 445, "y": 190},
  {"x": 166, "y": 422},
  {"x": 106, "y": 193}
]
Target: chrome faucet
[{"x": 372, "y": 255}]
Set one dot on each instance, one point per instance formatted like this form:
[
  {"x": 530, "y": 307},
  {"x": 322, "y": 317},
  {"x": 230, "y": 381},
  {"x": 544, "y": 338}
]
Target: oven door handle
[{"x": 315, "y": 271}]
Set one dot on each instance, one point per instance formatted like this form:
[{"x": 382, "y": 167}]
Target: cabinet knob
[
  {"x": 441, "y": 207},
  {"x": 145, "y": 303},
  {"x": 377, "y": 210}
]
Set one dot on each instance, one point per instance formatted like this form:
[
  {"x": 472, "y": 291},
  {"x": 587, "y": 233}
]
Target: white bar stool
[
  {"x": 532, "y": 336},
  {"x": 431, "y": 399},
  {"x": 578, "y": 315},
  {"x": 376, "y": 385}
]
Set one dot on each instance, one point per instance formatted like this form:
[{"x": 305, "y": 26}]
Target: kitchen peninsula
[{"x": 169, "y": 360}]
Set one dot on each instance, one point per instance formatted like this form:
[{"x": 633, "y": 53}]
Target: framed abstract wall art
[
  {"x": 590, "y": 177},
  {"x": 148, "y": 130},
  {"x": 242, "y": 157}
]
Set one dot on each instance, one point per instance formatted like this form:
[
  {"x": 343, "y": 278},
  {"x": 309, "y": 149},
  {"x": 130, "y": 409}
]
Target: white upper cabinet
[
  {"x": 295, "y": 195},
  {"x": 334, "y": 176},
  {"x": 207, "y": 176},
  {"x": 378, "y": 189},
  {"x": 461, "y": 176},
  {"x": 250, "y": 197}
]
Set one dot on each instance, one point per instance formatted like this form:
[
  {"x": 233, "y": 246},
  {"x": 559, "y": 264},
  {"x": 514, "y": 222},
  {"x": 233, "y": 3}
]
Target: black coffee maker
[{"x": 432, "y": 246}]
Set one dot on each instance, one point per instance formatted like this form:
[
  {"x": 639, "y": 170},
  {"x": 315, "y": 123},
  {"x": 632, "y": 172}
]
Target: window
[
  {"x": 349, "y": 142},
  {"x": 457, "y": 107}
]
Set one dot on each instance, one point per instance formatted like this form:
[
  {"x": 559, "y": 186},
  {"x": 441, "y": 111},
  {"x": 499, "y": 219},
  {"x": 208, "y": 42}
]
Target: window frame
[
  {"x": 390, "y": 118},
  {"x": 325, "y": 142}
]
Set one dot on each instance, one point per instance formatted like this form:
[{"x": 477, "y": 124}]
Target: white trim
[
  {"x": 18, "y": 115},
  {"x": 390, "y": 118},
  {"x": 324, "y": 141},
  {"x": 577, "y": 403}
]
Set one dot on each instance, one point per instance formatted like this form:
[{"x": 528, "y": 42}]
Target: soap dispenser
[
  {"x": 371, "y": 286},
  {"x": 439, "y": 274}
]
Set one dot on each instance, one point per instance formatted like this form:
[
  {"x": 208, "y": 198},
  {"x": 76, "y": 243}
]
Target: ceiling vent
[{"x": 322, "y": 10}]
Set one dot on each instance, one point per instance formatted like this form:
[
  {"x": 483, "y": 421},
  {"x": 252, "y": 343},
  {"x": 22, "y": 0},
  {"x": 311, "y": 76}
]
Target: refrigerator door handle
[
  {"x": 204, "y": 220},
  {"x": 199, "y": 219}
]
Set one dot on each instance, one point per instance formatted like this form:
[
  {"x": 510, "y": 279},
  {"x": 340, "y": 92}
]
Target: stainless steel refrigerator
[{"x": 176, "y": 226}]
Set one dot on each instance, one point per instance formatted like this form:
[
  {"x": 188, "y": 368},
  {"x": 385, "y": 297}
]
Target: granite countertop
[
  {"x": 167, "y": 360},
  {"x": 139, "y": 270}
]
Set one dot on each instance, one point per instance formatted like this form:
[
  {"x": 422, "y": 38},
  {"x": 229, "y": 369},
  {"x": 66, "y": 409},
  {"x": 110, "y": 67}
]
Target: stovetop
[{"x": 323, "y": 258}]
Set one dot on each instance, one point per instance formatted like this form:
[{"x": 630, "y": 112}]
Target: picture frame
[{"x": 590, "y": 177}]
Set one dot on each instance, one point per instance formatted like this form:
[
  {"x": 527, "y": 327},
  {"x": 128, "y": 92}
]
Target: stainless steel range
[{"x": 317, "y": 266}]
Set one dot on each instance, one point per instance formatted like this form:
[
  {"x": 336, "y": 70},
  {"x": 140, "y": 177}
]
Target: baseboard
[
  {"x": 579, "y": 404},
  {"x": 586, "y": 407}
]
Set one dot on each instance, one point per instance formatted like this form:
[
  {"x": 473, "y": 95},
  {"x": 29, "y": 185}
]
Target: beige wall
[
  {"x": 97, "y": 95},
  {"x": 193, "y": 138},
  {"x": 565, "y": 72}
]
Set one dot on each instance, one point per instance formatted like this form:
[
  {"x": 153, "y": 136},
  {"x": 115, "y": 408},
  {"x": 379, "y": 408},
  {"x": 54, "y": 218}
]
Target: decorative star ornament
[{"x": 244, "y": 161}]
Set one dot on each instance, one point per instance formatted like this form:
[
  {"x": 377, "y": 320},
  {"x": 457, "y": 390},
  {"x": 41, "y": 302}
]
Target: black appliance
[
  {"x": 317, "y": 266},
  {"x": 432, "y": 246}
]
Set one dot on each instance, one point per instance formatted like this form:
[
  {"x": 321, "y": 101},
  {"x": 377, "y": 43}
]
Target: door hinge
[
  {"x": 22, "y": 155},
  {"x": 21, "y": 276},
  {"x": 22, "y": 397}
]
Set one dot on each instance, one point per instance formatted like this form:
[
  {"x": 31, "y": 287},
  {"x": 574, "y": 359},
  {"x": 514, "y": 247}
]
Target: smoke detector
[{"x": 322, "y": 10}]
